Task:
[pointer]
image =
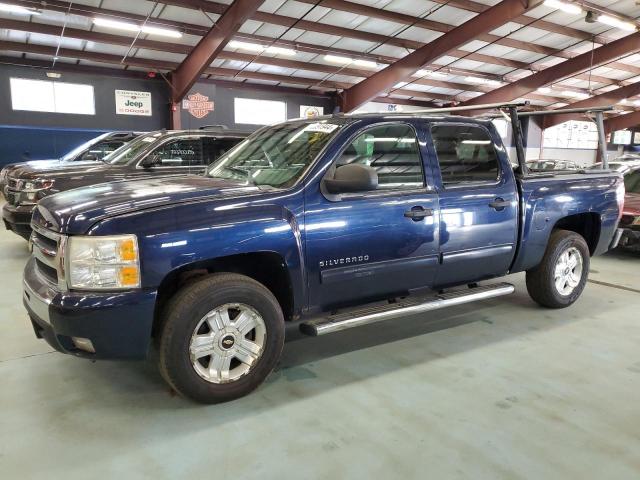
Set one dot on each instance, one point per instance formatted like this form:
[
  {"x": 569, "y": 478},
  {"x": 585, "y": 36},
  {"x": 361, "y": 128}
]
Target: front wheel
[
  {"x": 561, "y": 276},
  {"x": 220, "y": 338}
]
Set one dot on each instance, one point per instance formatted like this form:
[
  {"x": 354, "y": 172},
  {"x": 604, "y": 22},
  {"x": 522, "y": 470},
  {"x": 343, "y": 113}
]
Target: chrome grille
[
  {"x": 47, "y": 248},
  {"x": 13, "y": 192}
]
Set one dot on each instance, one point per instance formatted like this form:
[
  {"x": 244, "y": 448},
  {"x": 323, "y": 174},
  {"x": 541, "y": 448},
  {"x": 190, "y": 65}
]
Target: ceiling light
[
  {"x": 572, "y": 94},
  {"x": 430, "y": 73},
  {"x": 544, "y": 90},
  {"x": 482, "y": 81},
  {"x": 105, "y": 22},
  {"x": 616, "y": 22},
  {"x": 624, "y": 101},
  {"x": 165, "y": 32},
  {"x": 565, "y": 7},
  {"x": 281, "y": 51},
  {"x": 252, "y": 47},
  {"x": 337, "y": 59},
  {"x": 637, "y": 103},
  {"x": 132, "y": 27},
  {"x": 53, "y": 74},
  {"x": 365, "y": 63},
  {"x": 5, "y": 7}
]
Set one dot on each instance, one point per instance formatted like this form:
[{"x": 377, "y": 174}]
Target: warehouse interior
[{"x": 498, "y": 388}]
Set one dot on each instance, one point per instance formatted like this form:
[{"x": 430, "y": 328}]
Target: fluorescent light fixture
[
  {"x": 482, "y": 81},
  {"x": 572, "y": 94},
  {"x": 637, "y": 103},
  {"x": 164, "y": 32},
  {"x": 365, "y": 63},
  {"x": 5, "y": 7},
  {"x": 616, "y": 22},
  {"x": 564, "y": 6},
  {"x": 544, "y": 90},
  {"x": 281, "y": 51},
  {"x": 338, "y": 59},
  {"x": 476, "y": 142},
  {"x": 105, "y": 22},
  {"x": 132, "y": 27},
  {"x": 256, "y": 47},
  {"x": 252, "y": 47},
  {"x": 429, "y": 73}
]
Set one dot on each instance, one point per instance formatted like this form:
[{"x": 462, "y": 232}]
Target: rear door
[{"x": 478, "y": 202}]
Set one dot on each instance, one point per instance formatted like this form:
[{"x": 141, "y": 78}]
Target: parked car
[
  {"x": 630, "y": 221},
  {"x": 318, "y": 225},
  {"x": 155, "y": 153},
  {"x": 546, "y": 165},
  {"x": 91, "y": 151}
]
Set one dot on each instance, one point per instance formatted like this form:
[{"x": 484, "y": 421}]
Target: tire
[
  {"x": 193, "y": 323},
  {"x": 544, "y": 286}
]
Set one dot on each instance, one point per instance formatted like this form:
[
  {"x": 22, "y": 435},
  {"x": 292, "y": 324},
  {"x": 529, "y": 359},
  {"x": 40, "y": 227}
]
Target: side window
[
  {"x": 392, "y": 150},
  {"x": 101, "y": 150},
  {"x": 465, "y": 154},
  {"x": 185, "y": 152},
  {"x": 213, "y": 148}
]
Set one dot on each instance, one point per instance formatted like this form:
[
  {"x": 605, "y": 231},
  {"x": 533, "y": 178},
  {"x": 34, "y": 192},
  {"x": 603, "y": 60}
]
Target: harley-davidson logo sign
[{"x": 198, "y": 105}]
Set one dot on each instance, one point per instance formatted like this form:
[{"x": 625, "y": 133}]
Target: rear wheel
[
  {"x": 561, "y": 276},
  {"x": 221, "y": 336}
]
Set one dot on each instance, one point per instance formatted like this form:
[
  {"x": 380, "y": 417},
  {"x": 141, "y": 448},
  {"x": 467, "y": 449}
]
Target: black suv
[
  {"x": 90, "y": 151},
  {"x": 163, "y": 152}
]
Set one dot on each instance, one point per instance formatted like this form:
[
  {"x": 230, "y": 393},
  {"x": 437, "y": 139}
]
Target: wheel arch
[
  {"x": 267, "y": 267},
  {"x": 586, "y": 224}
]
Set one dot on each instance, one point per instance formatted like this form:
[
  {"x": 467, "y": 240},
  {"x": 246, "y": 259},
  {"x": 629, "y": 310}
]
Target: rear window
[{"x": 465, "y": 153}]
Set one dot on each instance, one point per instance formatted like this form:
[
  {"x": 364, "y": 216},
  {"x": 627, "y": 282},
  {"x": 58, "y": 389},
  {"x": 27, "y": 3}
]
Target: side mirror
[
  {"x": 151, "y": 160},
  {"x": 352, "y": 178}
]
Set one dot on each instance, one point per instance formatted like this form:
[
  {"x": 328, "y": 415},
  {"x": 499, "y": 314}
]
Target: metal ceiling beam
[
  {"x": 599, "y": 56},
  {"x": 385, "y": 79},
  {"x": 621, "y": 122},
  {"x": 224, "y": 73},
  {"x": 404, "y": 19},
  {"x": 243, "y": 57},
  {"x": 201, "y": 56},
  {"x": 211, "y": 7},
  {"x": 609, "y": 98}
]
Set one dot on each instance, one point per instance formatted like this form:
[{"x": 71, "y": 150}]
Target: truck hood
[
  {"x": 75, "y": 211},
  {"x": 52, "y": 169},
  {"x": 631, "y": 204}
]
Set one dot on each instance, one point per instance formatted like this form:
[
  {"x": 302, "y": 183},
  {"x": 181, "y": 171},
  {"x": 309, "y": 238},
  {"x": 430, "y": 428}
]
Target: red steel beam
[
  {"x": 216, "y": 8},
  {"x": 385, "y": 79},
  {"x": 581, "y": 63},
  {"x": 183, "y": 78},
  {"x": 621, "y": 122},
  {"x": 609, "y": 98}
]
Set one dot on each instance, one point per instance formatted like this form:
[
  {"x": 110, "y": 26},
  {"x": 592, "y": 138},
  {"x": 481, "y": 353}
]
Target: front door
[
  {"x": 478, "y": 204},
  {"x": 373, "y": 244}
]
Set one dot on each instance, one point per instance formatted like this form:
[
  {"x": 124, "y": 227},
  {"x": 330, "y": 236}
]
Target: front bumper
[
  {"x": 117, "y": 323},
  {"x": 18, "y": 219}
]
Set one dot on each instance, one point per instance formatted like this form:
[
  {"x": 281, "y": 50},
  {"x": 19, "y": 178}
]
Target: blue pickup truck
[{"x": 316, "y": 225}]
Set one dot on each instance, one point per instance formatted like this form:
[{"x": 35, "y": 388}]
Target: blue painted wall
[{"x": 19, "y": 143}]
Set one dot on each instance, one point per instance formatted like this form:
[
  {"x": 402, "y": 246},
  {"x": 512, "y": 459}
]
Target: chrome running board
[{"x": 408, "y": 306}]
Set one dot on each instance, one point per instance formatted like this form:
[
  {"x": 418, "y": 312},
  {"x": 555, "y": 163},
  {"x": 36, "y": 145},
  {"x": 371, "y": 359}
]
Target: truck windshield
[
  {"x": 130, "y": 151},
  {"x": 632, "y": 182},
  {"x": 71, "y": 156},
  {"x": 276, "y": 156}
]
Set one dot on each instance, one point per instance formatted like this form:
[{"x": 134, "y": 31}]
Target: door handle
[
  {"x": 418, "y": 213},
  {"x": 499, "y": 204}
]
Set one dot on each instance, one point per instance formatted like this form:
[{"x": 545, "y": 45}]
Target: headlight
[
  {"x": 36, "y": 185},
  {"x": 109, "y": 263}
]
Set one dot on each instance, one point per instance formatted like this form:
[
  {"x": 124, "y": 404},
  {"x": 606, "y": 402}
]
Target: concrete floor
[{"x": 494, "y": 390}]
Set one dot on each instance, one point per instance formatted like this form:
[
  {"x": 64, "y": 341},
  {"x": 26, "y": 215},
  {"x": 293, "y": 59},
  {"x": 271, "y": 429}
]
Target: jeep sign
[{"x": 129, "y": 102}]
